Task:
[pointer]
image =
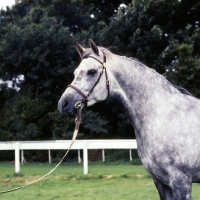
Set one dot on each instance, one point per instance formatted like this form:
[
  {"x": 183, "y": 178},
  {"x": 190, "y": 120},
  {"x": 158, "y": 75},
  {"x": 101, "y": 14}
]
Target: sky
[{"x": 4, "y": 3}]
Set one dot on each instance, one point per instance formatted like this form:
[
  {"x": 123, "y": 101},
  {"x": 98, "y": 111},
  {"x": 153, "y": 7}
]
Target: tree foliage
[{"x": 37, "y": 40}]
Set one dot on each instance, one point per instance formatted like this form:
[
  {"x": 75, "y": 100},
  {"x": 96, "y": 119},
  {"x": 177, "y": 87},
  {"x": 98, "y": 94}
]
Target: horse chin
[
  {"x": 70, "y": 114},
  {"x": 67, "y": 112}
]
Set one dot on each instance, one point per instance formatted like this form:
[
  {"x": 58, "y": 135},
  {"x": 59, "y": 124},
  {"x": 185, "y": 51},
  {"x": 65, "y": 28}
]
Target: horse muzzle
[{"x": 67, "y": 107}]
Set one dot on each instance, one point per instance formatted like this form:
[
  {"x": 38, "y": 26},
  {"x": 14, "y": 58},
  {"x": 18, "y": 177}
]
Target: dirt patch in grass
[
  {"x": 140, "y": 175},
  {"x": 109, "y": 176}
]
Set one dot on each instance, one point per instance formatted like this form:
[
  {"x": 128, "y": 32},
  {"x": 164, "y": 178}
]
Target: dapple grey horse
[{"x": 166, "y": 118}]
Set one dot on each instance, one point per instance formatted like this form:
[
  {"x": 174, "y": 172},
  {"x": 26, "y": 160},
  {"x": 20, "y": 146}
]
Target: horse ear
[
  {"x": 80, "y": 49},
  {"x": 94, "y": 47}
]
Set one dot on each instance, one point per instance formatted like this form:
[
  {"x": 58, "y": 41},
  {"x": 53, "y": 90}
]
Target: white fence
[{"x": 64, "y": 144}]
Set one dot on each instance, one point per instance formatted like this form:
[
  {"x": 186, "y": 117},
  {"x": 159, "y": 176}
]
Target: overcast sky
[{"x": 4, "y": 3}]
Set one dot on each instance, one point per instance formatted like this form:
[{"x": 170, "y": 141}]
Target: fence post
[
  {"x": 17, "y": 158},
  {"x": 85, "y": 158},
  {"x": 49, "y": 152},
  {"x": 103, "y": 155},
  {"x": 130, "y": 152},
  {"x": 22, "y": 157},
  {"x": 79, "y": 156}
]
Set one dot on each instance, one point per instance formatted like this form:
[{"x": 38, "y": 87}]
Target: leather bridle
[{"x": 85, "y": 97}]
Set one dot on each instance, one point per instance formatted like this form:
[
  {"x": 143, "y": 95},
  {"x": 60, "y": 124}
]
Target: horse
[{"x": 165, "y": 117}]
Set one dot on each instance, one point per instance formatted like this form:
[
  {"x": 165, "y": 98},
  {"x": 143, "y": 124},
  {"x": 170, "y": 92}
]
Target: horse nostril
[{"x": 65, "y": 104}]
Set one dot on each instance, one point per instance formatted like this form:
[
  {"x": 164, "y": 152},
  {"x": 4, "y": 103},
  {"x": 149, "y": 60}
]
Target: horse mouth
[
  {"x": 66, "y": 109},
  {"x": 69, "y": 114}
]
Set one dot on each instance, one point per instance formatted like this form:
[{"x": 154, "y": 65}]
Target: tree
[
  {"x": 38, "y": 41},
  {"x": 38, "y": 46},
  {"x": 184, "y": 69}
]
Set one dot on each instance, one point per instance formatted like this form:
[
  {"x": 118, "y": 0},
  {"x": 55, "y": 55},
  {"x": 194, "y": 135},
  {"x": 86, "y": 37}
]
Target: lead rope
[{"x": 78, "y": 106}]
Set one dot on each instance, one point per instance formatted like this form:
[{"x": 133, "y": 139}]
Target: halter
[{"x": 85, "y": 97}]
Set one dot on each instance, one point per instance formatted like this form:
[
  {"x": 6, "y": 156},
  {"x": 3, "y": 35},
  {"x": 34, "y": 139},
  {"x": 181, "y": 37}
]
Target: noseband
[{"x": 85, "y": 97}]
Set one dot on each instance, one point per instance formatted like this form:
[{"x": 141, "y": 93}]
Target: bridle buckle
[{"x": 79, "y": 105}]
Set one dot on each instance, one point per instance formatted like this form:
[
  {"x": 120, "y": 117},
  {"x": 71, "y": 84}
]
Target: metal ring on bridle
[{"x": 79, "y": 105}]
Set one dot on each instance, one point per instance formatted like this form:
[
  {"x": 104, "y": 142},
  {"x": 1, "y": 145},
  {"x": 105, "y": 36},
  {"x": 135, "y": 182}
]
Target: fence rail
[{"x": 84, "y": 145}]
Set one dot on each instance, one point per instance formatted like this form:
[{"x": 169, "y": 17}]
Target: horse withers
[{"x": 166, "y": 118}]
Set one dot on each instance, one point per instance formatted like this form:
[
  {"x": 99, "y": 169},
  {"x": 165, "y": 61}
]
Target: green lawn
[{"x": 104, "y": 181}]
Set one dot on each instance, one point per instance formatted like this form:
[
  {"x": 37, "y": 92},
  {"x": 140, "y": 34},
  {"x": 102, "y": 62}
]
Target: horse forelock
[{"x": 89, "y": 52}]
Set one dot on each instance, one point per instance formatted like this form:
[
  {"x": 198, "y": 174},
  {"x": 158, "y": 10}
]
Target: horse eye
[{"x": 92, "y": 72}]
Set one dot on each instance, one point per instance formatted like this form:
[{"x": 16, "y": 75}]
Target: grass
[{"x": 104, "y": 181}]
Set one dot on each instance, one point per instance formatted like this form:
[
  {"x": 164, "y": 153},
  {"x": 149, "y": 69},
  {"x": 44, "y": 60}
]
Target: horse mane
[{"x": 182, "y": 90}]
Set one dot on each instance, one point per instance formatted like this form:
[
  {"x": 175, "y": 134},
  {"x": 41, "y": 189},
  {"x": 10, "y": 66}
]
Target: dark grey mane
[{"x": 182, "y": 90}]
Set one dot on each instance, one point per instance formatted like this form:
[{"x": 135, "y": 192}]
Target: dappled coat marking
[{"x": 166, "y": 118}]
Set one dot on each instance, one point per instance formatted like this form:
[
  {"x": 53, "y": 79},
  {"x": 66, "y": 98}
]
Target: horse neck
[{"x": 138, "y": 89}]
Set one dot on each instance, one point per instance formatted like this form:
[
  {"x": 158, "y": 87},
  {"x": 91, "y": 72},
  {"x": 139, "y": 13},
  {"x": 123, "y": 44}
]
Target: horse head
[{"x": 90, "y": 84}]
